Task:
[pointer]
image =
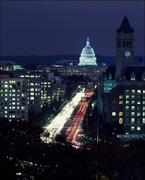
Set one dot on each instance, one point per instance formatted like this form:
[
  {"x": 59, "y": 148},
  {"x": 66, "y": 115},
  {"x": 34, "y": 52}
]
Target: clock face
[{"x": 127, "y": 54}]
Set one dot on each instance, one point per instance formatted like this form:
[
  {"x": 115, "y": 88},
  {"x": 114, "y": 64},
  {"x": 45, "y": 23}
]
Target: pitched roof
[
  {"x": 125, "y": 26},
  {"x": 138, "y": 71}
]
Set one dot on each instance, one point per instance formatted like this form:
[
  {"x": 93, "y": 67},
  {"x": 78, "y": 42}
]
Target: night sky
[{"x": 61, "y": 27}]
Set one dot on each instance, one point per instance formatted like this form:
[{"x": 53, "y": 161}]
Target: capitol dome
[{"x": 87, "y": 55}]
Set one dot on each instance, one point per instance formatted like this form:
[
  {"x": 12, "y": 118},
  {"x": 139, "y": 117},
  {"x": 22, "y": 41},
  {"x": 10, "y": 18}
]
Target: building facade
[{"x": 13, "y": 98}]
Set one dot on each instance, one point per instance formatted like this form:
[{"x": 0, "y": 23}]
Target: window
[
  {"x": 120, "y": 97},
  {"x": 132, "y": 128},
  {"x": 143, "y": 120},
  {"x": 127, "y": 102},
  {"x": 133, "y": 96},
  {"x": 120, "y": 113},
  {"x": 113, "y": 113},
  {"x": 132, "y": 102},
  {"x": 133, "y": 113},
  {"x": 132, "y": 107},
  {"x": 132, "y": 120},
  {"x": 138, "y": 113},
  {"x": 138, "y": 102},
  {"x": 120, "y": 120},
  {"x": 120, "y": 102},
  {"x": 127, "y": 107},
  {"x": 138, "y": 128},
  {"x": 127, "y": 96}
]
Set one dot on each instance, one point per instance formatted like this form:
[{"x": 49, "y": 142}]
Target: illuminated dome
[{"x": 87, "y": 55}]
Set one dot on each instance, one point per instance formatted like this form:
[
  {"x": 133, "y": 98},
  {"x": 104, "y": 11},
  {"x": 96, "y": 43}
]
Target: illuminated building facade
[
  {"x": 13, "y": 98},
  {"x": 121, "y": 91},
  {"x": 127, "y": 107},
  {"x": 124, "y": 102},
  {"x": 58, "y": 89},
  {"x": 45, "y": 92},
  {"x": 9, "y": 66},
  {"x": 87, "y": 57},
  {"x": 34, "y": 90}
]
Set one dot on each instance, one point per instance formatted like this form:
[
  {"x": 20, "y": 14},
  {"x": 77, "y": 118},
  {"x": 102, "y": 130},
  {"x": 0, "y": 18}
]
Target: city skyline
[{"x": 49, "y": 28}]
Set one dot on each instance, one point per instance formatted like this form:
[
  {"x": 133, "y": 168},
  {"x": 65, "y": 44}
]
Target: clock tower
[{"x": 124, "y": 47}]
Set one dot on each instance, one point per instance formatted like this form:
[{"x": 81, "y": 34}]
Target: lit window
[
  {"x": 133, "y": 96},
  {"x": 133, "y": 107},
  {"x": 120, "y": 102},
  {"x": 138, "y": 102},
  {"x": 143, "y": 113},
  {"x": 132, "y": 128},
  {"x": 31, "y": 89},
  {"x": 127, "y": 107},
  {"x": 143, "y": 120},
  {"x": 127, "y": 102},
  {"x": 127, "y": 96},
  {"x": 120, "y": 113},
  {"x": 113, "y": 113},
  {"x": 120, "y": 120},
  {"x": 133, "y": 113},
  {"x": 5, "y": 86},
  {"x": 139, "y": 91},
  {"x": 120, "y": 97},
  {"x": 133, "y": 102},
  {"x": 138, "y": 128},
  {"x": 133, "y": 91},
  {"x": 132, "y": 120},
  {"x": 127, "y": 91}
]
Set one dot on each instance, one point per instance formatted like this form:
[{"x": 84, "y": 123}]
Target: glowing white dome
[{"x": 87, "y": 55}]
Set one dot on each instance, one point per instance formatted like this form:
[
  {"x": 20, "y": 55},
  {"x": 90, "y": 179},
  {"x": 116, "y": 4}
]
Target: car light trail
[
  {"x": 75, "y": 126},
  {"x": 57, "y": 124}
]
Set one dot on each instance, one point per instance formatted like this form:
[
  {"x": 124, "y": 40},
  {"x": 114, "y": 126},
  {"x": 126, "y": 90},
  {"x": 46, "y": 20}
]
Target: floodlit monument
[{"x": 87, "y": 57}]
